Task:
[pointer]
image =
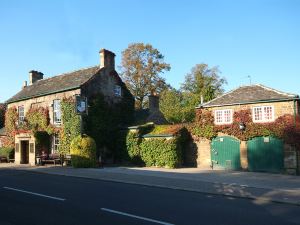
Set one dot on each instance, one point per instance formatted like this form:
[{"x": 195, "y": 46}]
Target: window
[
  {"x": 56, "y": 143},
  {"x": 56, "y": 112},
  {"x": 117, "y": 90},
  {"x": 263, "y": 114},
  {"x": 21, "y": 114},
  {"x": 223, "y": 116}
]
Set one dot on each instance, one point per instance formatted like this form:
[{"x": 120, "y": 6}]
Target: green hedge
[
  {"x": 161, "y": 152},
  {"x": 157, "y": 151},
  {"x": 83, "y": 152},
  {"x": 7, "y": 152}
]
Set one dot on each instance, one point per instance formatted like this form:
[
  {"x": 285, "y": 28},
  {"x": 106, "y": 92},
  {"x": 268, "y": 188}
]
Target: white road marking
[
  {"x": 33, "y": 193},
  {"x": 136, "y": 217}
]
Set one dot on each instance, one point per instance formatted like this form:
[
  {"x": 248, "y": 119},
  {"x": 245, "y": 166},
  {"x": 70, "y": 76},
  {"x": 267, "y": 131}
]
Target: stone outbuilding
[{"x": 260, "y": 153}]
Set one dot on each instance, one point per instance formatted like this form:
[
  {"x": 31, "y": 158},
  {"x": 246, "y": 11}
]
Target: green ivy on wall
[
  {"x": 284, "y": 127},
  {"x": 70, "y": 124}
]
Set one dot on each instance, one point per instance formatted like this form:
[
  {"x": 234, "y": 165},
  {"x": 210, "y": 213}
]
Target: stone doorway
[{"x": 24, "y": 152}]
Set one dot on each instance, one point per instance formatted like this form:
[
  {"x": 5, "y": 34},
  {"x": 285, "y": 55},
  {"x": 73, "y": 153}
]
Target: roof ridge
[
  {"x": 218, "y": 97},
  {"x": 67, "y": 73},
  {"x": 277, "y": 91}
]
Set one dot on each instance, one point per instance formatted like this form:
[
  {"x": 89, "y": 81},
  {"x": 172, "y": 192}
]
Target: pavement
[{"x": 261, "y": 187}]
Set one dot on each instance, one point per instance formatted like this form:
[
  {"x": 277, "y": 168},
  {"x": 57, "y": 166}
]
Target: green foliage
[
  {"x": 156, "y": 151},
  {"x": 284, "y": 127},
  {"x": 161, "y": 152},
  {"x": 7, "y": 152},
  {"x": 83, "y": 152},
  {"x": 71, "y": 124},
  {"x": 37, "y": 118},
  {"x": 132, "y": 146},
  {"x": 204, "y": 125},
  {"x": 104, "y": 122},
  {"x": 141, "y": 68},
  {"x": 176, "y": 106},
  {"x": 42, "y": 140},
  {"x": 203, "y": 81},
  {"x": 37, "y": 122},
  {"x": 11, "y": 120}
]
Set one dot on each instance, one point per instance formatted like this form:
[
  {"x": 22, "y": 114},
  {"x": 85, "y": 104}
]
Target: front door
[{"x": 24, "y": 152}]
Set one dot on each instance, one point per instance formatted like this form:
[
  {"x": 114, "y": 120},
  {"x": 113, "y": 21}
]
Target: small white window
[
  {"x": 118, "y": 90},
  {"x": 21, "y": 114},
  {"x": 263, "y": 114},
  {"x": 56, "y": 112},
  {"x": 56, "y": 143},
  {"x": 223, "y": 116}
]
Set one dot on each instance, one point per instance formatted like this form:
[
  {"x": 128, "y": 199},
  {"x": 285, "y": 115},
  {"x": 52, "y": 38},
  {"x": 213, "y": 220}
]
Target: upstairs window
[
  {"x": 223, "y": 116},
  {"x": 263, "y": 114},
  {"x": 56, "y": 112},
  {"x": 21, "y": 114},
  {"x": 118, "y": 90}
]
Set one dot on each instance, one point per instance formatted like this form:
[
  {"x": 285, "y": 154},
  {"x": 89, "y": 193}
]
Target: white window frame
[
  {"x": 118, "y": 90},
  {"x": 263, "y": 120},
  {"x": 21, "y": 118},
  {"x": 55, "y": 143},
  {"x": 222, "y": 111},
  {"x": 56, "y": 111}
]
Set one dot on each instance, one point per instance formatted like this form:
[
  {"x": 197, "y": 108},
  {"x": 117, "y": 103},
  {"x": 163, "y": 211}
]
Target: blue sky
[{"x": 257, "y": 38}]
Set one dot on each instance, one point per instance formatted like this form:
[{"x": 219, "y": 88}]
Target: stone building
[
  {"x": 48, "y": 93},
  {"x": 259, "y": 153}
]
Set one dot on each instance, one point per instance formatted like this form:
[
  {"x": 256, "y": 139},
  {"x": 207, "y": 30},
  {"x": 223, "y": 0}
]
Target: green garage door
[
  {"x": 265, "y": 154},
  {"x": 225, "y": 153}
]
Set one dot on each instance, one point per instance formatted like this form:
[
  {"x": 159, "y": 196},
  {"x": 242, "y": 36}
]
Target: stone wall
[
  {"x": 202, "y": 147},
  {"x": 44, "y": 101},
  {"x": 104, "y": 82}
]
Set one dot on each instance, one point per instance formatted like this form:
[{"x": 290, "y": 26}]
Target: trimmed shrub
[
  {"x": 83, "y": 152},
  {"x": 158, "y": 151},
  {"x": 7, "y": 152},
  {"x": 161, "y": 152}
]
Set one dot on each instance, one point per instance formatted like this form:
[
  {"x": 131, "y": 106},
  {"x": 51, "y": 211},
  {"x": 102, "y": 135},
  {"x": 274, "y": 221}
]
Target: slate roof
[
  {"x": 249, "y": 94},
  {"x": 59, "y": 83}
]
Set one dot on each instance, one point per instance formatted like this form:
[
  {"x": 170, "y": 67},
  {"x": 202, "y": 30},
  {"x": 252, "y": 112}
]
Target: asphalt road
[{"x": 32, "y": 198}]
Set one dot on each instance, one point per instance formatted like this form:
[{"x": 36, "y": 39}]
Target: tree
[
  {"x": 203, "y": 81},
  {"x": 176, "y": 106},
  {"x": 141, "y": 68}
]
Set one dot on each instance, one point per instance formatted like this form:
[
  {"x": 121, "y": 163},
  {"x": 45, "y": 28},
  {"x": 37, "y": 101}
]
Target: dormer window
[
  {"x": 56, "y": 112},
  {"x": 118, "y": 90},
  {"x": 21, "y": 114},
  {"x": 263, "y": 114},
  {"x": 223, "y": 116}
]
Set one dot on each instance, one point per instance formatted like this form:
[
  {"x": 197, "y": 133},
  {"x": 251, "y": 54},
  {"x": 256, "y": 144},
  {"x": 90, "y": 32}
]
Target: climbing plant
[
  {"x": 70, "y": 124},
  {"x": 285, "y": 127}
]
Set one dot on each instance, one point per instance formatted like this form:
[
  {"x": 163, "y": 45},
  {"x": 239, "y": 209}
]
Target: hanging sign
[{"x": 81, "y": 105}]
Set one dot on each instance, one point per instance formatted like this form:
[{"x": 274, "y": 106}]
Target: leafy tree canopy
[
  {"x": 141, "y": 68},
  {"x": 204, "y": 81}
]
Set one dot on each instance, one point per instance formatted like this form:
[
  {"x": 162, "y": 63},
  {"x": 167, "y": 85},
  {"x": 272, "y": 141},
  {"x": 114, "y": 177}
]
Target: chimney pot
[
  {"x": 24, "y": 84},
  {"x": 107, "y": 59}
]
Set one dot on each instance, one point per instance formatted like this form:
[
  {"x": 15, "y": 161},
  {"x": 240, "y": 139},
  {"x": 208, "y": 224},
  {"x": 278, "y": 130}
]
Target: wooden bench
[{"x": 52, "y": 158}]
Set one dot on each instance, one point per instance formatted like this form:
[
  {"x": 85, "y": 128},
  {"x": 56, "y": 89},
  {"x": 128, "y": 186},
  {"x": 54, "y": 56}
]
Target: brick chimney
[
  {"x": 35, "y": 76},
  {"x": 153, "y": 103},
  {"x": 107, "y": 59}
]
